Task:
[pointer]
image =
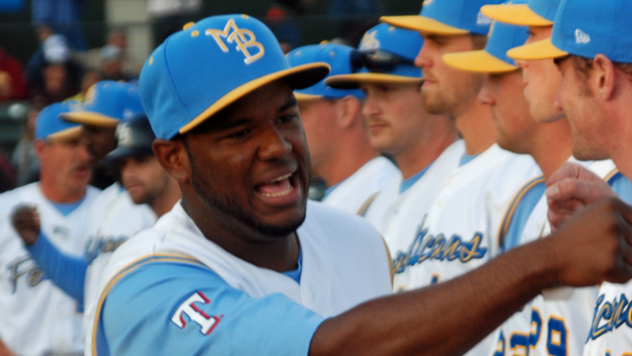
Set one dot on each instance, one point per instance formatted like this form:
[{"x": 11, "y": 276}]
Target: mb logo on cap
[{"x": 244, "y": 38}]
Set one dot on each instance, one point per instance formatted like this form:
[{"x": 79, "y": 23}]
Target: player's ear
[
  {"x": 604, "y": 74},
  {"x": 173, "y": 157},
  {"x": 40, "y": 146},
  {"x": 348, "y": 109}
]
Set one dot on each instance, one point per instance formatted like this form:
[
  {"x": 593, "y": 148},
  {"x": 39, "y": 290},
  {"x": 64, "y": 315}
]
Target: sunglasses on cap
[{"x": 378, "y": 61}]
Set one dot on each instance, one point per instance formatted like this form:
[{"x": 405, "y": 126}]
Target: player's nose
[
  {"x": 423, "y": 60},
  {"x": 274, "y": 144}
]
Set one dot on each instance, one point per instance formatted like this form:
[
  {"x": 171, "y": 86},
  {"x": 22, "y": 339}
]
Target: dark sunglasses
[{"x": 377, "y": 60}]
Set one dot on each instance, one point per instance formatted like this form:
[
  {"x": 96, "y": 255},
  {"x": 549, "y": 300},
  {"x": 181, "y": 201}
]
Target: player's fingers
[
  {"x": 566, "y": 170},
  {"x": 583, "y": 191}
]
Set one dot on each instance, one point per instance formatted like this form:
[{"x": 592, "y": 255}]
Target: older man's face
[{"x": 251, "y": 161}]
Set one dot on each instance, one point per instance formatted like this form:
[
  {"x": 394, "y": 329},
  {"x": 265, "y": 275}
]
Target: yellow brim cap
[
  {"x": 66, "y": 134},
  {"x": 422, "y": 24},
  {"x": 90, "y": 118},
  {"x": 477, "y": 61},
  {"x": 537, "y": 50},
  {"x": 302, "y": 98},
  {"x": 301, "y": 76},
  {"x": 515, "y": 14},
  {"x": 353, "y": 81}
]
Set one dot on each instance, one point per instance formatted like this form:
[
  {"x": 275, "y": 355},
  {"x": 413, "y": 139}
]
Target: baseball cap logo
[
  {"x": 244, "y": 39},
  {"x": 581, "y": 36},
  {"x": 124, "y": 135},
  {"x": 482, "y": 19},
  {"x": 369, "y": 41}
]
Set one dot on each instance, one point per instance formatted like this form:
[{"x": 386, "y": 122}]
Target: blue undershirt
[
  {"x": 67, "y": 208},
  {"x": 622, "y": 186},
  {"x": 66, "y": 271},
  {"x": 296, "y": 274},
  {"x": 466, "y": 159},
  {"x": 412, "y": 180},
  {"x": 520, "y": 211}
]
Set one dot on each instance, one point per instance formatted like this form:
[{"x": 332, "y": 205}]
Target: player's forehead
[{"x": 263, "y": 103}]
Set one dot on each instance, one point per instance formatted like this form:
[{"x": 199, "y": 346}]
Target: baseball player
[
  {"x": 38, "y": 318},
  {"x": 145, "y": 182},
  {"x": 245, "y": 265},
  {"x": 468, "y": 211},
  {"x": 338, "y": 144},
  {"x": 547, "y": 312},
  {"x": 594, "y": 60},
  {"x": 549, "y": 142},
  {"x": 425, "y": 147}
]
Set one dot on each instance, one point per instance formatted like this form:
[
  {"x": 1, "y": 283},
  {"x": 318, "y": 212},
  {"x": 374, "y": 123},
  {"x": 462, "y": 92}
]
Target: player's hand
[
  {"x": 570, "y": 189},
  {"x": 26, "y": 222},
  {"x": 594, "y": 246}
]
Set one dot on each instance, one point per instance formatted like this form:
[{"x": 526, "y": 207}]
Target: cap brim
[
  {"x": 423, "y": 24},
  {"x": 90, "y": 118},
  {"x": 298, "y": 77},
  {"x": 303, "y": 98},
  {"x": 65, "y": 135},
  {"x": 121, "y": 153},
  {"x": 477, "y": 61},
  {"x": 537, "y": 50},
  {"x": 354, "y": 81},
  {"x": 515, "y": 14}
]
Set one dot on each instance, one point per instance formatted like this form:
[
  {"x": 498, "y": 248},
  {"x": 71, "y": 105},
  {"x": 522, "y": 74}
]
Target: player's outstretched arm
[
  {"x": 4, "y": 351},
  {"x": 450, "y": 318}
]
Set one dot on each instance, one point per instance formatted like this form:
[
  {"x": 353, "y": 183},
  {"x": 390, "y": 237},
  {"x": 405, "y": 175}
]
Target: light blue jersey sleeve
[
  {"x": 519, "y": 212},
  {"x": 171, "y": 308},
  {"x": 622, "y": 186},
  {"x": 66, "y": 271}
]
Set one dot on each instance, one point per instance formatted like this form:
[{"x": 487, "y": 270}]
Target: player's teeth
[
  {"x": 281, "y": 178},
  {"x": 279, "y": 194}
]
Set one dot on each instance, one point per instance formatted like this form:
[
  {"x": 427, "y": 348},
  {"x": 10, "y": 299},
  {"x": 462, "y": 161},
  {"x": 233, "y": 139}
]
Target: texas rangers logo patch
[{"x": 207, "y": 323}]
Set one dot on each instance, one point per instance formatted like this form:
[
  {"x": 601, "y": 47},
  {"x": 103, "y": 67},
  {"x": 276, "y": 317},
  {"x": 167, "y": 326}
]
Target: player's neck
[
  {"x": 412, "y": 160},
  {"x": 341, "y": 166},
  {"x": 477, "y": 128},
  {"x": 277, "y": 253},
  {"x": 166, "y": 200},
  {"x": 552, "y": 146},
  {"x": 58, "y": 194},
  {"x": 618, "y": 137}
]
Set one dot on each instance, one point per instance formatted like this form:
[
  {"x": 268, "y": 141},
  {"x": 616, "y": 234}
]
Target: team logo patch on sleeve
[{"x": 207, "y": 323}]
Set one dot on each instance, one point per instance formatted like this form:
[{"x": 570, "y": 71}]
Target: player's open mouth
[{"x": 277, "y": 187}]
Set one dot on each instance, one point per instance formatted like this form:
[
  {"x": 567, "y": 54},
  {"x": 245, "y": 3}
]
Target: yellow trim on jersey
[
  {"x": 390, "y": 261},
  {"x": 127, "y": 269},
  {"x": 511, "y": 209},
  {"x": 611, "y": 174},
  {"x": 367, "y": 203}
]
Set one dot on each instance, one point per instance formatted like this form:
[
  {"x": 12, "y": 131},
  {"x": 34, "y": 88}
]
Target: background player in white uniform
[
  {"x": 425, "y": 147},
  {"x": 548, "y": 141},
  {"x": 338, "y": 144},
  {"x": 594, "y": 57},
  {"x": 36, "y": 316},
  {"x": 460, "y": 231},
  {"x": 173, "y": 304},
  {"x": 146, "y": 183}
]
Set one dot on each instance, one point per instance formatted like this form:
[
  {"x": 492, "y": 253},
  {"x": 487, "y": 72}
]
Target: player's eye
[
  {"x": 239, "y": 134},
  {"x": 288, "y": 118}
]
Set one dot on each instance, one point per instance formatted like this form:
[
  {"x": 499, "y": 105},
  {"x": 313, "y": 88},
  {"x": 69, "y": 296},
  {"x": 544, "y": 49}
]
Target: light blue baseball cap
[
  {"x": 586, "y": 28},
  {"x": 447, "y": 17},
  {"x": 386, "y": 55},
  {"x": 493, "y": 59},
  {"x": 50, "y": 126},
  {"x": 533, "y": 13},
  {"x": 106, "y": 103},
  {"x": 339, "y": 59},
  {"x": 211, "y": 64}
]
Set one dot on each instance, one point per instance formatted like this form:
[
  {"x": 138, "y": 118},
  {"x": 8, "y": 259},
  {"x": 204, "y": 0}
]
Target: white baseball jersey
[
  {"x": 610, "y": 328},
  {"x": 460, "y": 232},
  {"x": 557, "y": 322},
  {"x": 372, "y": 177},
  {"x": 36, "y": 316},
  {"x": 398, "y": 216},
  {"x": 116, "y": 219},
  {"x": 344, "y": 263}
]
